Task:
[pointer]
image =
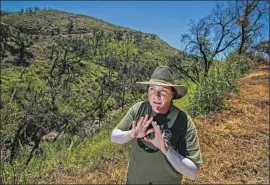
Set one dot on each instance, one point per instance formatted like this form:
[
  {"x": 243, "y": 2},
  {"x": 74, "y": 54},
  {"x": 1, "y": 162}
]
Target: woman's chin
[
  {"x": 159, "y": 110},
  {"x": 156, "y": 109}
]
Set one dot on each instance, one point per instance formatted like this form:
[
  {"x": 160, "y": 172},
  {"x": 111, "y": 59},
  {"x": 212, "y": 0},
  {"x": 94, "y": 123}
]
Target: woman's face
[{"x": 160, "y": 98}]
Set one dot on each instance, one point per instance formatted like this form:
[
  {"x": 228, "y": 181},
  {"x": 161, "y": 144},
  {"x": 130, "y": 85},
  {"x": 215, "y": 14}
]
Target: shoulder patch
[{"x": 167, "y": 134}]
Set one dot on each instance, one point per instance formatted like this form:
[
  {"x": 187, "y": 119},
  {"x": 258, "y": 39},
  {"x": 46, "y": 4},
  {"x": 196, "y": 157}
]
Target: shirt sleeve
[
  {"x": 126, "y": 122},
  {"x": 192, "y": 143},
  {"x": 182, "y": 164}
]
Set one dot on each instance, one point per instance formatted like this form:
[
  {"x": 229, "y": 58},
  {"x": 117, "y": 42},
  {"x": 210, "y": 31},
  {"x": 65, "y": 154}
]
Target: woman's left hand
[{"x": 159, "y": 139}]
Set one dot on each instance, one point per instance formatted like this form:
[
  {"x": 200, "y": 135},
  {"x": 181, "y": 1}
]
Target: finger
[
  {"x": 148, "y": 139},
  {"x": 147, "y": 123},
  {"x": 154, "y": 123},
  {"x": 145, "y": 119},
  {"x": 149, "y": 131},
  {"x": 140, "y": 122},
  {"x": 158, "y": 131},
  {"x": 163, "y": 144}
]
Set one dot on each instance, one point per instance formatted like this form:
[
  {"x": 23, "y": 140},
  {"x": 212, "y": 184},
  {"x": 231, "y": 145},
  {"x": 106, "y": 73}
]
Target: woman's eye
[{"x": 163, "y": 92}]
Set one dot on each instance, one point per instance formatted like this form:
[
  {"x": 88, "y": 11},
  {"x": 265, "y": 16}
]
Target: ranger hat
[{"x": 163, "y": 76}]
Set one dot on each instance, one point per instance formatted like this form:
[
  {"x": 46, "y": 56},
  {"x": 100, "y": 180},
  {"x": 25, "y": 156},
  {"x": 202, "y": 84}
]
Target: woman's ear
[{"x": 175, "y": 94}]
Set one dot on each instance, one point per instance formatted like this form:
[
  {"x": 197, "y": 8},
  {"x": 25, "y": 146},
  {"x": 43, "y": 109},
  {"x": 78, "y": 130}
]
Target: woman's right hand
[{"x": 140, "y": 130}]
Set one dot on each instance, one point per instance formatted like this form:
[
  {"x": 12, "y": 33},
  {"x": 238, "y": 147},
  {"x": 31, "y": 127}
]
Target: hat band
[{"x": 160, "y": 80}]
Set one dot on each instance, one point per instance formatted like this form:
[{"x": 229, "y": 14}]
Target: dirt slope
[{"x": 234, "y": 142}]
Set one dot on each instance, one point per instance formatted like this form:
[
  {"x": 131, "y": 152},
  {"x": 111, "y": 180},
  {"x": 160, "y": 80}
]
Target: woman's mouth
[{"x": 157, "y": 103}]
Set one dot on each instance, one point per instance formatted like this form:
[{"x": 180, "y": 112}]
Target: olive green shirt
[{"x": 148, "y": 164}]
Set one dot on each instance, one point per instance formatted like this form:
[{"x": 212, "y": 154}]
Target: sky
[{"x": 167, "y": 19}]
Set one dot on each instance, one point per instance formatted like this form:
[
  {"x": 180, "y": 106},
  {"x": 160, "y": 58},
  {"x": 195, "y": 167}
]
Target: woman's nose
[{"x": 157, "y": 93}]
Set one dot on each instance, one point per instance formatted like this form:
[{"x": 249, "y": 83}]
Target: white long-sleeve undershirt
[
  {"x": 120, "y": 137},
  {"x": 182, "y": 164}
]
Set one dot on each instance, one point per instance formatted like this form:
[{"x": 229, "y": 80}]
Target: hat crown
[{"x": 163, "y": 73}]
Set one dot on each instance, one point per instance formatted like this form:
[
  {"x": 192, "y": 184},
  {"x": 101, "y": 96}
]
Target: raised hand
[
  {"x": 140, "y": 130},
  {"x": 159, "y": 139}
]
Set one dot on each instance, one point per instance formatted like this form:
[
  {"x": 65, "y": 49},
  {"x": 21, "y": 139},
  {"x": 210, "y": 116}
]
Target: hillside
[
  {"x": 234, "y": 142},
  {"x": 43, "y": 26},
  {"x": 73, "y": 65},
  {"x": 52, "y": 43}
]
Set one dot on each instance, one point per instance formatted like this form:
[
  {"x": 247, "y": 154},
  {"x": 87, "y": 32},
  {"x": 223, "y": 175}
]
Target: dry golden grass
[{"x": 234, "y": 142}]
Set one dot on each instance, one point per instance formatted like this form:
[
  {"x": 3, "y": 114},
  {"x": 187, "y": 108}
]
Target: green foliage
[
  {"x": 221, "y": 80},
  {"x": 66, "y": 153},
  {"x": 185, "y": 102}
]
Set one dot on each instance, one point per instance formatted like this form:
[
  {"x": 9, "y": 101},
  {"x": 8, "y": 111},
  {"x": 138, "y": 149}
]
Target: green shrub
[
  {"x": 221, "y": 79},
  {"x": 185, "y": 102}
]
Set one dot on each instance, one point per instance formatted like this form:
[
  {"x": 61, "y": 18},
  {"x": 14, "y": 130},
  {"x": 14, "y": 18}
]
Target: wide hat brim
[{"x": 181, "y": 90}]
